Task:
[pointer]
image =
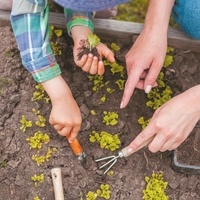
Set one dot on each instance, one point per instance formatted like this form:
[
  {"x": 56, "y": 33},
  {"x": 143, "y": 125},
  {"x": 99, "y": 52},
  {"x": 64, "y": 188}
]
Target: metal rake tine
[{"x": 110, "y": 166}]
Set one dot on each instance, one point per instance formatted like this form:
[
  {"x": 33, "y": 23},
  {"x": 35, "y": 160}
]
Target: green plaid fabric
[{"x": 29, "y": 19}]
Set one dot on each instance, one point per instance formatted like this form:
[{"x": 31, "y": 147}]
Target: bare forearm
[
  {"x": 158, "y": 14},
  {"x": 57, "y": 89}
]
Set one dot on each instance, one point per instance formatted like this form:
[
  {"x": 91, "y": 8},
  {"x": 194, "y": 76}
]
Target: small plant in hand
[{"x": 89, "y": 46}]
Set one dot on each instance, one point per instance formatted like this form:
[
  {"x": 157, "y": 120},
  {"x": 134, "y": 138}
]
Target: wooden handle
[
  {"x": 76, "y": 147},
  {"x": 57, "y": 183},
  {"x": 126, "y": 153}
]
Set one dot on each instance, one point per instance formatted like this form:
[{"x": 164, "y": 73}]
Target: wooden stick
[{"x": 57, "y": 183}]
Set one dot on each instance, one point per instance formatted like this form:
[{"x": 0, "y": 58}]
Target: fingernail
[
  {"x": 148, "y": 88},
  {"x": 121, "y": 105}
]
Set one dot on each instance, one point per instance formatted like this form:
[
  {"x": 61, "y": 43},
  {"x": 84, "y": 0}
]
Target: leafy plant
[
  {"x": 106, "y": 140},
  {"x": 155, "y": 188},
  {"x": 38, "y": 140},
  {"x": 103, "y": 192},
  {"x": 93, "y": 41},
  {"x": 25, "y": 124},
  {"x": 110, "y": 118},
  {"x": 39, "y": 94},
  {"x": 37, "y": 179},
  {"x": 41, "y": 122},
  {"x": 120, "y": 83},
  {"x": 41, "y": 159},
  {"x": 36, "y": 198},
  {"x": 143, "y": 122}
]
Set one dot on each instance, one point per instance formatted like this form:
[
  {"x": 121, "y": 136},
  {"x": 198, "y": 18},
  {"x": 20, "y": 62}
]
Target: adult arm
[
  {"x": 145, "y": 58},
  {"x": 172, "y": 122}
]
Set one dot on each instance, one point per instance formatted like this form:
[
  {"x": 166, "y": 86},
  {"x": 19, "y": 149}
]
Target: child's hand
[
  {"x": 90, "y": 63},
  {"x": 65, "y": 115}
]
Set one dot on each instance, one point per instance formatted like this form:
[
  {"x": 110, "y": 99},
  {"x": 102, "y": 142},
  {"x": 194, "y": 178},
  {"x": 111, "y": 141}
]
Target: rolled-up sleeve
[
  {"x": 29, "y": 19},
  {"x": 76, "y": 18}
]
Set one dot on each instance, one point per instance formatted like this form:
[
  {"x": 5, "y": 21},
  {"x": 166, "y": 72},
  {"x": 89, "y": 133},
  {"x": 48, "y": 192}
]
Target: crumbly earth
[{"x": 128, "y": 181}]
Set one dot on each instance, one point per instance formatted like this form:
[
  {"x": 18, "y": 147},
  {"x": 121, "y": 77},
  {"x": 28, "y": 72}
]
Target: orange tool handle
[{"x": 76, "y": 147}]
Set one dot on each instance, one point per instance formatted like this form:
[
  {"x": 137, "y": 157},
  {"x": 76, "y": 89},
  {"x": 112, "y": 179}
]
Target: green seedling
[
  {"x": 44, "y": 158},
  {"x": 103, "y": 192},
  {"x": 37, "y": 179},
  {"x": 93, "y": 112},
  {"x": 25, "y": 124},
  {"x": 103, "y": 98},
  {"x": 37, "y": 141},
  {"x": 93, "y": 41},
  {"x": 39, "y": 94},
  {"x": 110, "y": 118},
  {"x": 106, "y": 140},
  {"x": 143, "y": 122},
  {"x": 97, "y": 81},
  {"x": 115, "y": 47},
  {"x": 36, "y": 198},
  {"x": 155, "y": 187},
  {"x": 120, "y": 83},
  {"x": 41, "y": 122}
]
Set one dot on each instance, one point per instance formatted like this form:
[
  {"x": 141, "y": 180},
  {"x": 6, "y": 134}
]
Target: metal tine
[{"x": 113, "y": 160}]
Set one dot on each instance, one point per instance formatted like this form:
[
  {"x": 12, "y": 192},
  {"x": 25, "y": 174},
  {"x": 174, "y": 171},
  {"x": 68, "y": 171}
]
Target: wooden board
[{"x": 124, "y": 31}]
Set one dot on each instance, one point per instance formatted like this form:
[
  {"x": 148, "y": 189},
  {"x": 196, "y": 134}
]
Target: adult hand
[
  {"x": 90, "y": 63},
  {"x": 144, "y": 62},
  {"x": 172, "y": 122}
]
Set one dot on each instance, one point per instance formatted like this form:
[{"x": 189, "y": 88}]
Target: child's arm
[
  {"x": 30, "y": 26},
  {"x": 79, "y": 25}
]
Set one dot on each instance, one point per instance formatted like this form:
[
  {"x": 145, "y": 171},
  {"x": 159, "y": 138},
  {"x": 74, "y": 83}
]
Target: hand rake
[{"x": 111, "y": 160}]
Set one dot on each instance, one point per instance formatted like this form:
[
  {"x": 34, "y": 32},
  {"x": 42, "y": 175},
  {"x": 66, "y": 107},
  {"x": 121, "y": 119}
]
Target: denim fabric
[
  {"x": 187, "y": 14},
  {"x": 89, "y": 5}
]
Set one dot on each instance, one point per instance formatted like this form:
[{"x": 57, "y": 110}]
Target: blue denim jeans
[{"x": 187, "y": 14}]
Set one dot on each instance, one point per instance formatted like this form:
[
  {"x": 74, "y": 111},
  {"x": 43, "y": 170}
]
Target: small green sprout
[
  {"x": 25, "y": 124},
  {"x": 41, "y": 122},
  {"x": 93, "y": 112},
  {"x": 159, "y": 95},
  {"x": 116, "y": 68},
  {"x": 103, "y": 192},
  {"x": 120, "y": 83},
  {"x": 93, "y": 41},
  {"x": 56, "y": 48},
  {"x": 97, "y": 81},
  {"x": 91, "y": 196},
  {"x": 110, "y": 90},
  {"x": 38, "y": 140},
  {"x": 115, "y": 47},
  {"x": 103, "y": 98},
  {"x": 41, "y": 159},
  {"x": 39, "y": 94},
  {"x": 110, "y": 172},
  {"x": 37, "y": 179},
  {"x": 110, "y": 118},
  {"x": 58, "y": 32},
  {"x": 155, "y": 188},
  {"x": 36, "y": 198},
  {"x": 144, "y": 123},
  {"x": 168, "y": 60},
  {"x": 106, "y": 140}
]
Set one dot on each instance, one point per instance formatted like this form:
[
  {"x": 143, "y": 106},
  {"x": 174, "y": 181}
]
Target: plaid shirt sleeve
[
  {"x": 29, "y": 21},
  {"x": 76, "y": 18}
]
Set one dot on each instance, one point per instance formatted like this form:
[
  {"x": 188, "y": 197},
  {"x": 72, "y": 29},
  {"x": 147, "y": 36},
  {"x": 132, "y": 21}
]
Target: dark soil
[{"x": 17, "y": 167}]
